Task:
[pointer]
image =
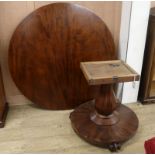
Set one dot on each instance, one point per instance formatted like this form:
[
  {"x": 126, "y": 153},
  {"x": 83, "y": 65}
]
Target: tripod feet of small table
[{"x": 110, "y": 133}]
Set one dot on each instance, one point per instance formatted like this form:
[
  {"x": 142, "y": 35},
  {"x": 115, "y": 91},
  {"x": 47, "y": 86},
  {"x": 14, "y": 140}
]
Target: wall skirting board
[{"x": 18, "y": 100}]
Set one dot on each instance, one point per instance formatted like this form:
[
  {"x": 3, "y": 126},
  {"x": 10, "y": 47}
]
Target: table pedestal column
[{"x": 105, "y": 122}]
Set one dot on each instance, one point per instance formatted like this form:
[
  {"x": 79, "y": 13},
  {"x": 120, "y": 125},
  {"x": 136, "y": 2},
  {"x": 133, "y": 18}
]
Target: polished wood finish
[
  {"x": 106, "y": 95},
  {"x": 46, "y": 50},
  {"x": 105, "y": 122},
  {"x": 110, "y": 135},
  {"x": 146, "y": 90},
  {"x": 3, "y": 104},
  {"x": 18, "y": 10}
]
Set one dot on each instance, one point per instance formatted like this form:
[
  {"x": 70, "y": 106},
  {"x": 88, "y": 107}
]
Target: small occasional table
[{"x": 105, "y": 122}]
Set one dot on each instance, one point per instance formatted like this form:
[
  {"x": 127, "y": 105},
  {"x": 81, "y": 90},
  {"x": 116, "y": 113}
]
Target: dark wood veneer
[
  {"x": 109, "y": 132},
  {"x": 46, "y": 50},
  {"x": 3, "y": 104}
]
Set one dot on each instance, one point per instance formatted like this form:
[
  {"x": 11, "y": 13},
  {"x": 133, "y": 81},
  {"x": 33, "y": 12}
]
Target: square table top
[{"x": 107, "y": 72}]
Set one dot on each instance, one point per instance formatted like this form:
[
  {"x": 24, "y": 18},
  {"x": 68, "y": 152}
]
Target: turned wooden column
[
  {"x": 105, "y": 105},
  {"x": 105, "y": 102},
  {"x": 105, "y": 122}
]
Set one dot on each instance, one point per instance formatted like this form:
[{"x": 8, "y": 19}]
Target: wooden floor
[{"x": 32, "y": 130}]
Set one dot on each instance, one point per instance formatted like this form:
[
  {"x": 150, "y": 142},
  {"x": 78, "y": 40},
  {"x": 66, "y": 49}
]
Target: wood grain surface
[
  {"x": 16, "y": 11},
  {"x": 46, "y": 50},
  {"x": 104, "y": 135}
]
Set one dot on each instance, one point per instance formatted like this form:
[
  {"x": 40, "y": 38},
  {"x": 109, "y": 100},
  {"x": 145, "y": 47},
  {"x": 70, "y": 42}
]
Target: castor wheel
[{"x": 113, "y": 147}]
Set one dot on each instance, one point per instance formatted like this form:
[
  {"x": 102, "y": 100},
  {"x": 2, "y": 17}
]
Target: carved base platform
[{"x": 104, "y": 131}]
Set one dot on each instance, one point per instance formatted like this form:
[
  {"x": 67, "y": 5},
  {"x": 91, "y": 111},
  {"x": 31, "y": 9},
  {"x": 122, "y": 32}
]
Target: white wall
[
  {"x": 136, "y": 44},
  {"x": 124, "y": 37}
]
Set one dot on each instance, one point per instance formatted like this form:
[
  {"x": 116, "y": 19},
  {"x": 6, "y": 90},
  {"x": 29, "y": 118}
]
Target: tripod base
[{"x": 104, "y": 131}]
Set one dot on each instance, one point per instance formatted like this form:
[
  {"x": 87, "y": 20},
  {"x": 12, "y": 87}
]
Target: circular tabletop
[{"x": 46, "y": 50}]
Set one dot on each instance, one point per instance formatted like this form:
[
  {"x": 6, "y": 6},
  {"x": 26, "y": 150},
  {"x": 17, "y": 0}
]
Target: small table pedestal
[{"x": 105, "y": 122}]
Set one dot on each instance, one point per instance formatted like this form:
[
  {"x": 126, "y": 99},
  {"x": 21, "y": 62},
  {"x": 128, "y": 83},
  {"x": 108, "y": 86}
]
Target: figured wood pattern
[
  {"x": 15, "y": 11},
  {"x": 104, "y": 135},
  {"x": 47, "y": 48},
  {"x": 108, "y": 11}
]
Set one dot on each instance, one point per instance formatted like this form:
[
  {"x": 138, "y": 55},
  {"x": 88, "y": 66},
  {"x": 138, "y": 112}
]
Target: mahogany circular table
[
  {"x": 105, "y": 122},
  {"x": 46, "y": 50}
]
